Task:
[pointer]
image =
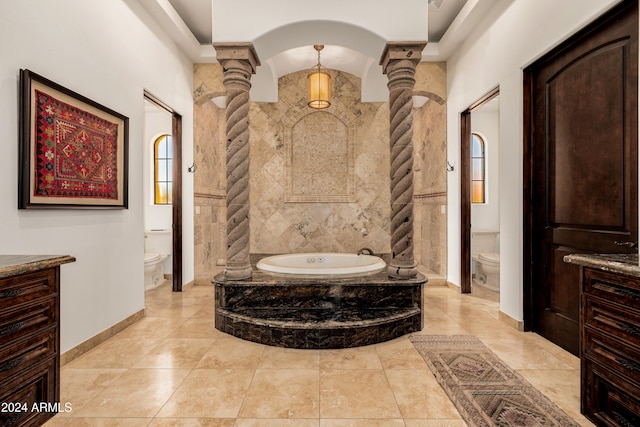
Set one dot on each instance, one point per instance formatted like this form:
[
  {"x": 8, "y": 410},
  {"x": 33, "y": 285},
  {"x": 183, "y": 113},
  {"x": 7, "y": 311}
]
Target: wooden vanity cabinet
[
  {"x": 610, "y": 347},
  {"x": 29, "y": 343}
]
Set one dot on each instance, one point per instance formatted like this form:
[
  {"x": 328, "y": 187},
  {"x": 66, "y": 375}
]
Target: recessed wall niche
[{"x": 319, "y": 155}]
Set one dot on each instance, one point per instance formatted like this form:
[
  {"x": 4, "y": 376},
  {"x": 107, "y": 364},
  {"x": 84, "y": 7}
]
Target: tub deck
[{"x": 318, "y": 312}]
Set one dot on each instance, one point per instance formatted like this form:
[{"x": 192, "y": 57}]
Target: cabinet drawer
[
  {"x": 35, "y": 385},
  {"x": 607, "y": 399},
  {"x": 614, "y": 319},
  {"x": 612, "y": 287},
  {"x": 25, "y": 353},
  {"x": 27, "y": 319},
  {"x": 26, "y": 287},
  {"x": 610, "y": 352}
]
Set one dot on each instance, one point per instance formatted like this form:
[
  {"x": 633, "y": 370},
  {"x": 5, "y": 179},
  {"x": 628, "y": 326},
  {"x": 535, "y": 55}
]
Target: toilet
[
  {"x": 157, "y": 249},
  {"x": 486, "y": 260}
]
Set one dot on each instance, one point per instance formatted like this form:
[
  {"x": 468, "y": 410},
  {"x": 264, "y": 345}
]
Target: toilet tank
[
  {"x": 158, "y": 242},
  {"x": 484, "y": 241}
]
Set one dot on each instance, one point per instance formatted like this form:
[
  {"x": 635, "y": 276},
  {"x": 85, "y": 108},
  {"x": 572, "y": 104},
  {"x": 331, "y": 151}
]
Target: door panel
[{"x": 583, "y": 171}]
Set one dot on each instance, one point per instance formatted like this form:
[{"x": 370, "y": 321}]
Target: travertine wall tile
[
  {"x": 278, "y": 226},
  {"x": 430, "y": 176},
  {"x": 345, "y": 208}
]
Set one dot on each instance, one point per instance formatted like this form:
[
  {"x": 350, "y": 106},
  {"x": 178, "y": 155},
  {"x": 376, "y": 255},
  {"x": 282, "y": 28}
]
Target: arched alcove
[{"x": 348, "y": 47}]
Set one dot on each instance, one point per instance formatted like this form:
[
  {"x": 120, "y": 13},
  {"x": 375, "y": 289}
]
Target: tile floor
[{"x": 174, "y": 369}]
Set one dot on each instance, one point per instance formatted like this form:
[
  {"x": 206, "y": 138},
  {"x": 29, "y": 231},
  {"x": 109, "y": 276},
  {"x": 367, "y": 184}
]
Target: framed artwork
[{"x": 73, "y": 151}]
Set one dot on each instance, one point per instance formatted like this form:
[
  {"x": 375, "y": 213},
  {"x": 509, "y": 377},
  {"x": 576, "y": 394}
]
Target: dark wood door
[{"x": 582, "y": 140}]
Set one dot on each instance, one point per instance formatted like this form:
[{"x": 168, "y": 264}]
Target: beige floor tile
[
  {"x": 176, "y": 353},
  {"x": 373, "y": 386},
  {"x": 193, "y": 422},
  {"x": 231, "y": 352},
  {"x": 560, "y": 353},
  {"x": 57, "y": 421},
  {"x": 434, "y": 423},
  {"x": 282, "y": 393},
  {"x": 78, "y": 386},
  {"x": 209, "y": 393},
  {"x": 482, "y": 327},
  {"x": 115, "y": 353},
  {"x": 207, "y": 311},
  {"x": 179, "y": 309},
  {"x": 151, "y": 327},
  {"x": 361, "y": 393},
  {"x": 370, "y": 422},
  {"x": 350, "y": 358},
  {"x": 289, "y": 358},
  {"x": 277, "y": 423},
  {"x": 399, "y": 354},
  {"x": 198, "y": 327},
  {"x": 419, "y": 395},
  {"x": 136, "y": 393},
  {"x": 443, "y": 328},
  {"x": 521, "y": 354},
  {"x": 584, "y": 422},
  {"x": 561, "y": 386}
]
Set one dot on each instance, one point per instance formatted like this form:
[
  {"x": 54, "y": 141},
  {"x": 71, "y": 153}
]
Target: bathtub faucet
[{"x": 365, "y": 251}]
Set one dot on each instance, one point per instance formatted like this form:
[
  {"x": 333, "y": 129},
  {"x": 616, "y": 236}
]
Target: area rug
[{"x": 483, "y": 388}]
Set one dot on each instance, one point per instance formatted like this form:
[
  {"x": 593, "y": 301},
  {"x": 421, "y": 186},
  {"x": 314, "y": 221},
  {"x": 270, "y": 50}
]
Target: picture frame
[{"x": 73, "y": 152}]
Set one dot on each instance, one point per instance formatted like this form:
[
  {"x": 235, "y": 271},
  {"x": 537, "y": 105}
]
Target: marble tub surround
[
  {"x": 615, "y": 263},
  {"x": 314, "y": 313},
  {"x": 239, "y": 62},
  {"x": 399, "y": 61}
]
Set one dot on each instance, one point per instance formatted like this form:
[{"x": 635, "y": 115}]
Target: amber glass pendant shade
[{"x": 319, "y": 85}]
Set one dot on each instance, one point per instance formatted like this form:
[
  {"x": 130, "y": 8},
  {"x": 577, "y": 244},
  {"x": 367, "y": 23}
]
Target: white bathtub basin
[{"x": 321, "y": 264}]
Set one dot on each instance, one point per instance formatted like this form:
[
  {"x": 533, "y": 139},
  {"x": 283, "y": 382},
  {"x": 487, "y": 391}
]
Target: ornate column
[
  {"x": 239, "y": 62},
  {"x": 399, "y": 61}
]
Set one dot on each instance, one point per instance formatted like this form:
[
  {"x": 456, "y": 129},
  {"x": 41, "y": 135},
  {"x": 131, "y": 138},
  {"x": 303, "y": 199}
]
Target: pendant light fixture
[{"x": 319, "y": 84}]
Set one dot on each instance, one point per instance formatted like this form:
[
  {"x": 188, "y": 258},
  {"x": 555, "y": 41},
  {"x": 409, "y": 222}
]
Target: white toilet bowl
[
  {"x": 487, "y": 267},
  {"x": 488, "y": 270},
  {"x": 153, "y": 270},
  {"x": 157, "y": 248}
]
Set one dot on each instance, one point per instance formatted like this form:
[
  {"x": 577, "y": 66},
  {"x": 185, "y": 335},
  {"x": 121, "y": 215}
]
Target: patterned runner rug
[{"x": 483, "y": 388}]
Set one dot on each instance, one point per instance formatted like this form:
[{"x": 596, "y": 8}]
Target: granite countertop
[
  {"x": 11, "y": 265},
  {"x": 615, "y": 263}
]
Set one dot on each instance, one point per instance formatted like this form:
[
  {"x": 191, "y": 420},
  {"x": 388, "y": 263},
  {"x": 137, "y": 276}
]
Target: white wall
[
  {"x": 521, "y": 32},
  {"x": 486, "y": 216},
  {"x": 104, "y": 51}
]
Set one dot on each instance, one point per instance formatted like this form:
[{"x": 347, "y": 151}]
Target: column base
[
  {"x": 402, "y": 271},
  {"x": 237, "y": 272}
]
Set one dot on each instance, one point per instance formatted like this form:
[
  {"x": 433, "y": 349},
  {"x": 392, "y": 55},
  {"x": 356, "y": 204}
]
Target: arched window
[
  {"x": 163, "y": 170},
  {"x": 477, "y": 169}
]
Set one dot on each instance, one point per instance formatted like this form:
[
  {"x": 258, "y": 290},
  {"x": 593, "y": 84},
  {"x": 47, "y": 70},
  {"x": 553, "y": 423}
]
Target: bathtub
[{"x": 322, "y": 264}]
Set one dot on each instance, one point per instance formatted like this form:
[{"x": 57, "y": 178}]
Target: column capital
[
  {"x": 244, "y": 52},
  {"x": 396, "y": 51}
]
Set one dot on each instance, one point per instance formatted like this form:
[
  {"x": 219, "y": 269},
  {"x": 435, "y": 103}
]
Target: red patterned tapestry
[{"x": 75, "y": 152}]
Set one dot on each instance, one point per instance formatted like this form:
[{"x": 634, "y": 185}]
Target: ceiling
[
  {"x": 288, "y": 30},
  {"x": 197, "y": 14}
]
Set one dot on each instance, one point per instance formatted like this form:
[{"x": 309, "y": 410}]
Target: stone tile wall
[
  {"x": 352, "y": 165},
  {"x": 430, "y": 176},
  {"x": 342, "y": 218},
  {"x": 209, "y": 179}
]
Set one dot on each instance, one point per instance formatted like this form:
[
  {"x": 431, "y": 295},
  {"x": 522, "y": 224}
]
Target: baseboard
[
  {"x": 92, "y": 342},
  {"x": 453, "y": 286},
  {"x": 516, "y": 324}
]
